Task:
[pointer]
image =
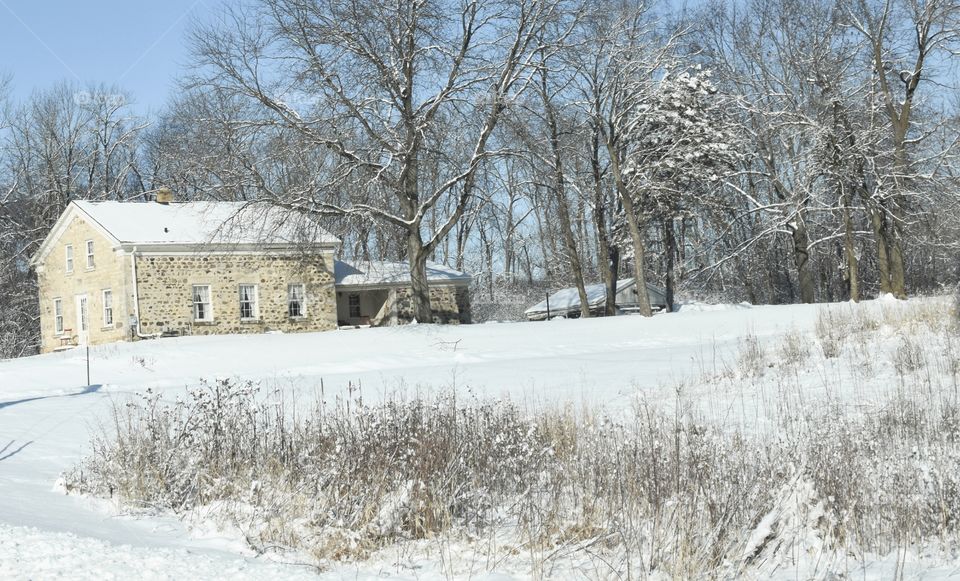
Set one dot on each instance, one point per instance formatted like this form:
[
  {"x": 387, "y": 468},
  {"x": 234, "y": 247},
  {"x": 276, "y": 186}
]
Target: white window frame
[
  {"x": 91, "y": 264},
  {"x": 58, "y": 316},
  {"x": 208, "y": 315},
  {"x": 254, "y": 302},
  {"x": 106, "y": 298},
  {"x": 83, "y": 304},
  {"x": 68, "y": 258},
  {"x": 302, "y": 300}
]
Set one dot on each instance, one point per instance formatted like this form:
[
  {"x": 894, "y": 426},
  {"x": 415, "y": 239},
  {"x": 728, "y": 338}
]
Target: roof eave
[
  {"x": 401, "y": 283},
  {"x": 200, "y": 247}
]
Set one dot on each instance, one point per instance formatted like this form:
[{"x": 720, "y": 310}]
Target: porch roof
[{"x": 386, "y": 274}]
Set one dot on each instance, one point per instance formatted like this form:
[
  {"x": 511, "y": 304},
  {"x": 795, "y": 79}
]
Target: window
[
  {"x": 296, "y": 305},
  {"x": 90, "y": 254},
  {"x": 58, "y": 316},
  {"x": 202, "y": 310},
  {"x": 69, "y": 254},
  {"x": 82, "y": 307},
  {"x": 107, "y": 308},
  {"x": 248, "y": 301},
  {"x": 354, "y": 301}
]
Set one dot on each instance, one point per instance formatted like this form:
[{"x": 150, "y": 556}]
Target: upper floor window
[
  {"x": 90, "y": 254},
  {"x": 296, "y": 303},
  {"x": 107, "y": 308},
  {"x": 58, "y": 316},
  {"x": 202, "y": 309},
  {"x": 248, "y": 301},
  {"x": 68, "y": 253}
]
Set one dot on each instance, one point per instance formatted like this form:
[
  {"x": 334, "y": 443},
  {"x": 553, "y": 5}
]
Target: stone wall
[
  {"x": 165, "y": 287},
  {"x": 110, "y": 271},
  {"x": 463, "y": 304},
  {"x": 449, "y": 304}
]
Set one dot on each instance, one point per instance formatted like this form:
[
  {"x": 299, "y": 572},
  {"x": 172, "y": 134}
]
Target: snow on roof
[
  {"x": 204, "y": 223},
  {"x": 391, "y": 273},
  {"x": 568, "y": 299}
]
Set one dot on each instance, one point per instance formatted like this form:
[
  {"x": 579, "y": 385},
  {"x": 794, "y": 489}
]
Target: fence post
[{"x": 548, "y": 305}]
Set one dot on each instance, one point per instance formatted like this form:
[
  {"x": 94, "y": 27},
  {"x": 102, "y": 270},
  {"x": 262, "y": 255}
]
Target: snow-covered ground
[{"x": 47, "y": 413}]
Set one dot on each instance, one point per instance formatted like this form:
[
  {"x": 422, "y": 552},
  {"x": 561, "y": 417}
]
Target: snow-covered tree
[{"x": 680, "y": 148}]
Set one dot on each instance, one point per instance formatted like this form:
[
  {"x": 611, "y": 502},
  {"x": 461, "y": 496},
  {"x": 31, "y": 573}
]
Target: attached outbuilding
[
  {"x": 566, "y": 302},
  {"x": 378, "y": 293}
]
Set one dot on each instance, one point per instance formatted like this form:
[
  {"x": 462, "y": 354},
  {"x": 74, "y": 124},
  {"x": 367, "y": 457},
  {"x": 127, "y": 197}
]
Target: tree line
[{"x": 769, "y": 151}]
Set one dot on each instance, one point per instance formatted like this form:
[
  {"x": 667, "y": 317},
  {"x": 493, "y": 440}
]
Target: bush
[
  {"x": 635, "y": 493},
  {"x": 340, "y": 483}
]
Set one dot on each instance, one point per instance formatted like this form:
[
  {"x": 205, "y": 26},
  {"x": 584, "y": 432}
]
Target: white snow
[
  {"x": 568, "y": 299},
  {"x": 203, "y": 223},
  {"x": 376, "y": 273},
  {"x": 47, "y": 414},
  {"x": 29, "y": 553}
]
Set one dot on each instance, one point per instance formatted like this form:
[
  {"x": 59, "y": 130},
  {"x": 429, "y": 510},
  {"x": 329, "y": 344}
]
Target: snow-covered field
[{"x": 679, "y": 362}]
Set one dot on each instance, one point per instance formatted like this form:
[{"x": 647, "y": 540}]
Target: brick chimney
[{"x": 164, "y": 196}]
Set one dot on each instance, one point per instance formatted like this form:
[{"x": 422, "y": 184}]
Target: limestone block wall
[
  {"x": 463, "y": 304},
  {"x": 450, "y": 304},
  {"x": 109, "y": 272},
  {"x": 165, "y": 288}
]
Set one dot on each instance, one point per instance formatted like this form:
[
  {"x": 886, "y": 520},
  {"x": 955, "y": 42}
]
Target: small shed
[{"x": 566, "y": 302}]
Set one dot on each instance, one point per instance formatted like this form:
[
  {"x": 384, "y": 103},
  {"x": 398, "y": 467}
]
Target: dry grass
[{"x": 656, "y": 492}]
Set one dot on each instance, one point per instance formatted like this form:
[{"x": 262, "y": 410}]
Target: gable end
[{"x": 71, "y": 212}]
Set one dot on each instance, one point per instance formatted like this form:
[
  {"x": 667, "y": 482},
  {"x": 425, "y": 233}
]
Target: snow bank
[
  {"x": 697, "y": 307},
  {"x": 28, "y": 553},
  {"x": 47, "y": 414}
]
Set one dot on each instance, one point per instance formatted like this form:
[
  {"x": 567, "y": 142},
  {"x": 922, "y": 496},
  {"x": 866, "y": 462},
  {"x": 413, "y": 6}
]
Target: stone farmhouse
[{"x": 115, "y": 271}]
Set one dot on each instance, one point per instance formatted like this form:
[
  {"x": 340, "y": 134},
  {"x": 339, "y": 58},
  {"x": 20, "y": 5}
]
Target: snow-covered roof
[
  {"x": 568, "y": 299},
  {"x": 391, "y": 273},
  {"x": 203, "y": 223}
]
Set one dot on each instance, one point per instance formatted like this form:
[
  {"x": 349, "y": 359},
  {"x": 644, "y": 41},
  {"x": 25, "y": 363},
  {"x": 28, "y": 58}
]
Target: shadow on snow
[{"x": 85, "y": 391}]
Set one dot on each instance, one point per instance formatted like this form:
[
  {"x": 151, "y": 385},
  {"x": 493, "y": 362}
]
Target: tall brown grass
[{"x": 651, "y": 491}]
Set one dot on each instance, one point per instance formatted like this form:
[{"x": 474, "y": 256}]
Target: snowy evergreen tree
[{"x": 680, "y": 148}]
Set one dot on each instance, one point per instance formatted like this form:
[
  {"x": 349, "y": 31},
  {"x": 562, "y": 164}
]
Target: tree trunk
[
  {"x": 892, "y": 230},
  {"x": 898, "y": 277},
  {"x": 801, "y": 258},
  {"x": 566, "y": 228},
  {"x": 570, "y": 243},
  {"x": 853, "y": 267},
  {"x": 670, "y": 249},
  {"x": 639, "y": 257},
  {"x": 636, "y": 234},
  {"x": 547, "y": 246},
  {"x": 842, "y": 124},
  {"x": 608, "y": 255},
  {"x": 612, "y": 272},
  {"x": 419, "y": 287},
  {"x": 883, "y": 263}
]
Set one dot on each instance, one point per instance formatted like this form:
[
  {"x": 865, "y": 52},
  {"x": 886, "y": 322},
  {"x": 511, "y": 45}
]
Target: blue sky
[{"x": 139, "y": 46}]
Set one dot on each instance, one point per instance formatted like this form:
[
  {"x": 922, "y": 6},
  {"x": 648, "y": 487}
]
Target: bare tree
[
  {"x": 59, "y": 145},
  {"x": 898, "y": 69},
  {"x": 626, "y": 70},
  {"x": 554, "y": 159},
  {"x": 388, "y": 83}
]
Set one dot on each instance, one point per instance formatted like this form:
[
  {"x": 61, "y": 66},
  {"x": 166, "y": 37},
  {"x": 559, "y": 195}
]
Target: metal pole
[
  {"x": 88, "y": 366},
  {"x": 548, "y": 305}
]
